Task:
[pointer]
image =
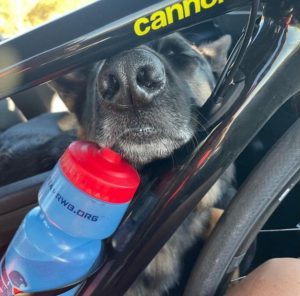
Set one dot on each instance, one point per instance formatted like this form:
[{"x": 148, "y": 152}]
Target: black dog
[{"x": 145, "y": 103}]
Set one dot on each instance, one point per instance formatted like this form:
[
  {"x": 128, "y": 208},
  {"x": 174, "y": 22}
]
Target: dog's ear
[
  {"x": 216, "y": 52},
  {"x": 72, "y": 88}
]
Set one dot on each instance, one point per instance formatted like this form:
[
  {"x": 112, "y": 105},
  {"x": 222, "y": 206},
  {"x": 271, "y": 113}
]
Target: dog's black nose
[{"x": 134, "y": 77}]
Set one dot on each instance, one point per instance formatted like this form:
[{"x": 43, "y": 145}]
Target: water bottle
[{"x": 59, "y": 242}]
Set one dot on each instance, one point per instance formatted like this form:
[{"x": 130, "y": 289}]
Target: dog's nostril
[
  {"x": 109, "y": 86},
  {"x": 141, "y": 76},
  {"x": 148, "y": 78}
]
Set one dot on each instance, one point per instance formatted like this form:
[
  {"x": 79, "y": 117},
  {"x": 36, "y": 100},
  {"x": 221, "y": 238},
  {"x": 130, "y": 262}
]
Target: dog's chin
[
  {"x": 144, "y": 145},
  {"x": 140, "y": 154}
]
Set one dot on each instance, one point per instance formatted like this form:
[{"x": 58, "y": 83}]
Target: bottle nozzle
[{"x": 110, "y": 155}]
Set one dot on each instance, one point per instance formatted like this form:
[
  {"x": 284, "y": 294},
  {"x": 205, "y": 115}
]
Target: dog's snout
[
  {"x": 150, "y": 78},
  {"x": 134, "y": 78}
]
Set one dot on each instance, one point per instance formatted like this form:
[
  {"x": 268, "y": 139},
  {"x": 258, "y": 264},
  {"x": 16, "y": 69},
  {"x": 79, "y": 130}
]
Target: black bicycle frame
[
  {"x": 95, "y": 32},
  {"x": 268, "y": 77}
]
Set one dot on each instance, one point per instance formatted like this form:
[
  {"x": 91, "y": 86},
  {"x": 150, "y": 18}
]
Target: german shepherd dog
[{"x": 145, "y": 103}]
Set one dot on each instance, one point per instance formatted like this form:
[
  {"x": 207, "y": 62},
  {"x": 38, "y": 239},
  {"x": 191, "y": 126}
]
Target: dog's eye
[
  {"x": 174, "y": 51},
  {"x": 169, "y": 52}
]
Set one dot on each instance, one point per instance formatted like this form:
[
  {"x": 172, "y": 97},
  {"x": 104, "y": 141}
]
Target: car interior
[{"x": 27, "y": 115}]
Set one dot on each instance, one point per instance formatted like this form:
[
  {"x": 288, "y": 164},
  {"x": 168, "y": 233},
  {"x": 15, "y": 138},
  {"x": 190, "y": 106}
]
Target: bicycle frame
[{"x": 268, "y": 78}]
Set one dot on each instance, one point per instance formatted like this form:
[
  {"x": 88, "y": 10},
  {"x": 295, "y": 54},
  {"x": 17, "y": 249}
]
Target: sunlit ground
[{"x": 17, "y": 16}]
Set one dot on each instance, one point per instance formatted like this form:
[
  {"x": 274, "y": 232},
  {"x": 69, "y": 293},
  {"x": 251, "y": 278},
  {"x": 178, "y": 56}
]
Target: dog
[{"x": 145, "y": 103}]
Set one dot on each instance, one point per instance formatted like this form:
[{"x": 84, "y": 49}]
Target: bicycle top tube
[{"x": 96, "y": 32}]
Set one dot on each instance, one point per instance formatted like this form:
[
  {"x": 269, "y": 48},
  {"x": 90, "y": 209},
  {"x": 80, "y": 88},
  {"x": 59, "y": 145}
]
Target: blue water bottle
[{"x": 59, "y": 243}]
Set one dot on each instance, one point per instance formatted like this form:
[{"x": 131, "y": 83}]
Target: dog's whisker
[
  {"x": 202, "y": 116},
  {"x": 195, "y": 141},
  {"x": 197, "y": 121},
  {"x": 172, "y": 156}
]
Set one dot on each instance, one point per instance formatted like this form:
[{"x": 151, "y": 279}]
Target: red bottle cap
[
  {"x": 16, "y": 291},
  {"x": 100, "y": 172}
]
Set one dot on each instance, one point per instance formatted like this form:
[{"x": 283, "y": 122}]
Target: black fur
[{"x": 145, "y": 103}]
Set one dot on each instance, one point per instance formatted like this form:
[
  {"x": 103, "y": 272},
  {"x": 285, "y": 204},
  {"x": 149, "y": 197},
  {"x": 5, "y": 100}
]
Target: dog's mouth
[
  {"x": 140, "y": 134},
  {"x": 144, "y": 144}
]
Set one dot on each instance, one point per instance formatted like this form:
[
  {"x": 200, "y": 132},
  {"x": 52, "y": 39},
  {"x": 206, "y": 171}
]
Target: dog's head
[{"x": 144, "y": 102}]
